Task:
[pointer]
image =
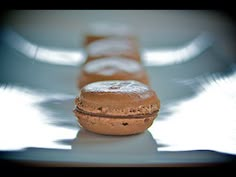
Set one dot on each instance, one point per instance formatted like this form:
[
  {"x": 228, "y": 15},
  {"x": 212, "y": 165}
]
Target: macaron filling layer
[
  {"x": 115, "y": 116},
  {"x": 114, "y": 109}
]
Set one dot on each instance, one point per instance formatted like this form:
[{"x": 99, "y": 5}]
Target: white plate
[{"x": 190, "y": 60}]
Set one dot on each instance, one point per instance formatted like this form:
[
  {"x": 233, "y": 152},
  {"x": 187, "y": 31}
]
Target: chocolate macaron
[
  {"x": 112, "y": 68},
  {"x": 97, "y": 31},
  {"x": 116, "y": 107},
  {"x": 113, "y": 47}
]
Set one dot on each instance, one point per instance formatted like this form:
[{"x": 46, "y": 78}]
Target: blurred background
[{"x": 190, "y": 58}]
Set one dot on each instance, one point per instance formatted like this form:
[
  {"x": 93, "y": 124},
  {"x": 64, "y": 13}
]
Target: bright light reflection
[
  {"x": 23, "y": 124},
  {"x": 49, "y": 55},
  {"x": 155, "y": 57},
  {"x": 178, "y": 55},
  {"x": 204, "y": 122},
  {"x": 58, "y": 56}
]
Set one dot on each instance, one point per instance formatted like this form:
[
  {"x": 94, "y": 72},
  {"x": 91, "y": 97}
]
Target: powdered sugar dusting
[
  {"x": 109, "y": 66},
  {"x": 128, "y": 86}
]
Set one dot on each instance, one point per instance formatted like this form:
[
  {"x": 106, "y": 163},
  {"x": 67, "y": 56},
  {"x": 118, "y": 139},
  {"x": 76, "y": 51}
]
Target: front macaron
[{"x": 116, "y": 107}]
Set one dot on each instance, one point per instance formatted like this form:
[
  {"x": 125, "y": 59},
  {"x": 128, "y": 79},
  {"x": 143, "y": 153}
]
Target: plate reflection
[
  {"x": 25, "y": 124},
  {"x": 151, "y": 57},
  {"x": 115, "y": 148},
  {"x": 204, "y": 121}
]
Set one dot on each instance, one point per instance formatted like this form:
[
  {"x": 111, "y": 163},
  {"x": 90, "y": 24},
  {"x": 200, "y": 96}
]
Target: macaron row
[
  {"x": 112, "y": 58},
  {"x": 115, "y": 97}
]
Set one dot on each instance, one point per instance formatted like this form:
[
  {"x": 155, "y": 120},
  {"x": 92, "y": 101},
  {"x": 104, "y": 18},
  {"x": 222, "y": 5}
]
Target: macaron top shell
[
  {"x": 110, "y": 45},
  {"x": 119, "y": 98},
  {"x": 113, "y": 46},
  {"x": 111, "y": 28},
  {"x": 111, "y": 65}
]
